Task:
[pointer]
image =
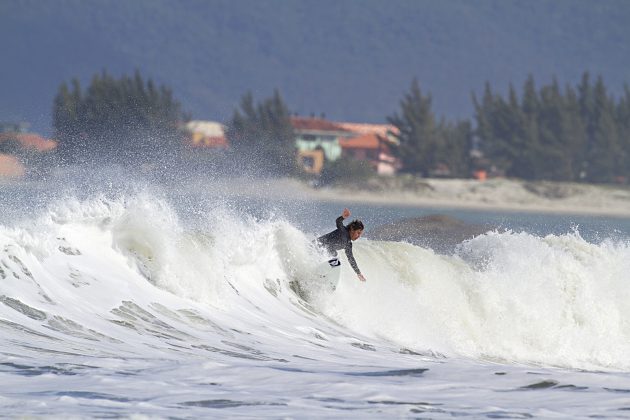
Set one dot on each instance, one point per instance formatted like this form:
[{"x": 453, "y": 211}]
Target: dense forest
[
  {"x": 579, "y": 133},
  {"x": 426, "y": 144},
  {"x": 571, "y": 133},
  {"x": 557, "y": 133},
  {"x": 262, "y": 137},
  {"x": 125, "y": 120}
]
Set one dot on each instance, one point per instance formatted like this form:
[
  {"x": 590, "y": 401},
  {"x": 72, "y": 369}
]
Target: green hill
[{"x": 351, "y": 60}]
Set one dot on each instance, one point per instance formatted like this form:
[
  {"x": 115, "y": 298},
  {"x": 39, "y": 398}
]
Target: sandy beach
[
  {"x": 494, "y": 194},
  {"x": 499, "y": 194}
]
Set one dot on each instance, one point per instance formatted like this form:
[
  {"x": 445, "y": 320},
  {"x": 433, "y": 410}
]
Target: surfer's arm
[
  {"x": 351, "y": 260},
  {"x": 339, "y": 222}
]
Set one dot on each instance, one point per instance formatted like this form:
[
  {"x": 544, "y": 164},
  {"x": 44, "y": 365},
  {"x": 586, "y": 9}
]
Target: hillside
[{"x": 352, "y": 60}]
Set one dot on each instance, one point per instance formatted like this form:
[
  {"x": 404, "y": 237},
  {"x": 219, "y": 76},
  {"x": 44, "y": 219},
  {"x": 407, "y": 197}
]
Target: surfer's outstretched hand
[
  {"x": 346, "y": 213},
  {"x": 361, "y": 277}
]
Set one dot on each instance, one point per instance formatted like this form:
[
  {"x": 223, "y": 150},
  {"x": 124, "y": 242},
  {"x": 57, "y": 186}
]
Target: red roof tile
[
  {"x": 30, "y": 141},
  {"x": 319, "y": 124},
  {"x": 11, "y": 167},
  {"x": 365, "y": 141},
  {"x": 363, "y": 128}
]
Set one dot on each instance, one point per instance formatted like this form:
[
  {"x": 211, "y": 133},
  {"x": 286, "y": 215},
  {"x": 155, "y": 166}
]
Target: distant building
[
  {"x": 15, "y": 141},
  {"x": 372, "y": 143},
  {"x": 385, "y": 131},
  {"x": 206, "y": 134},
  {"x": 317, "y": 139},
  {"x": 317, "y": 135},
  {"x": 28, "y": 141},
  {"x": 11, "y": 167}
]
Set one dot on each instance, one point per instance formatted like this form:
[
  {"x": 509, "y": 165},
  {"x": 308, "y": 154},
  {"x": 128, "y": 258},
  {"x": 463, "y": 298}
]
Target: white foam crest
[
  {"x": 253, "y": 253},
  {"x": 399, "y": 300},
  {"x": 554, "y": 300},
  {"x": 231, "y": 250},
  {"x": 557, "y": 300}
]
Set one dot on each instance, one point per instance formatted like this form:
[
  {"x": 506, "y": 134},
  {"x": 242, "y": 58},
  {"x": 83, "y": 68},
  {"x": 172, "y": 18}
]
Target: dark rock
[{"x": 438, "y": 232}]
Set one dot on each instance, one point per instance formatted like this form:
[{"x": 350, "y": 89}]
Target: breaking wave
[{"x": 101, "y": 276}]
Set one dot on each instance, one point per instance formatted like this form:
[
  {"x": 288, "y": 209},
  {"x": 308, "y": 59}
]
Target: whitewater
[{"x": 142, "y": 304}]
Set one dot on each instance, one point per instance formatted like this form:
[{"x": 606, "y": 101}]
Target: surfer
[{"x": 342, "y": 237}]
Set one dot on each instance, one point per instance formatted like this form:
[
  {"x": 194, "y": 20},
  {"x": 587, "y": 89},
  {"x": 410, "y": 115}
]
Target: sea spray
[
  {"x": 510, "y": 297},
  {"x": 514, "y": 297},
  {"x": 555, "y": 300}
]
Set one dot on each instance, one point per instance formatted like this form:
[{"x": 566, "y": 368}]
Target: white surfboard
[{"x": 328, "y": 273}]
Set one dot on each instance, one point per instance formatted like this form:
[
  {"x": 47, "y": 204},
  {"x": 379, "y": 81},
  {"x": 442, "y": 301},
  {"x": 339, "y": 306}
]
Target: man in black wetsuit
[{"x": 341, "y": 238}]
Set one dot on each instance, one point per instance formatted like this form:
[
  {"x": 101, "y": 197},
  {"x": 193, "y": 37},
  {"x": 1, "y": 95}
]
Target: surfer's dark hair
[{"x": 356, "y": 225}]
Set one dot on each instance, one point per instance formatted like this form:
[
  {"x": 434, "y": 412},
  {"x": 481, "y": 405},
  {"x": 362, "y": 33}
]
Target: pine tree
[
  {"x": 454, "y": 146},
  {"x": 604, "y": 150},
  {"x": 575, "y": 135},
  {"x": 554, "y": 163},
  {"x": 575, "y": 131},
  {"x": 623, "y": 124},
  {"x": 418, "y": 137},
  {"x": 500, "y": 130},
  {"x": 116, "y": 120},
  {"x": 262, "y": 136}
]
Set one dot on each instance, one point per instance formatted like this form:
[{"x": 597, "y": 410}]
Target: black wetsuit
[{"x": 339, "y": 239}]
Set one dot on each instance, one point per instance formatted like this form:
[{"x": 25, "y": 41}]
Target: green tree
[
  {"x": 528, "y": 126},
  {"x": 262, "y": 136},
  {"x": 603, "y": 144},
  {"x": 69, "y": 130},
  {"x": 417, "y": 131},
  {"x": 454, "y": 148},
  {"x": 554, "y": 162},
  {"x": 116, "y": 120},
  {"x": 503, "y": 131},
  {"x": 575, "y": 131},
  {"x": 555, "y": 135},
  {"x": 623, "y": 124},
  {"x": 346, "y": 170},
  {"x": 425, "y": 144}
]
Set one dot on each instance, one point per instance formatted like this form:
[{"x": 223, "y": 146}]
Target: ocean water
[{"x": 146, "y": 302}]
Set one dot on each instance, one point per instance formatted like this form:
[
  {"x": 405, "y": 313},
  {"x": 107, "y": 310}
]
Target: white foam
[{"x": 554, "y": 300}]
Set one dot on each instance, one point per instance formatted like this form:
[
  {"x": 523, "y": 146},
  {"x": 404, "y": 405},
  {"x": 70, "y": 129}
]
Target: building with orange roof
[
  {"x": 372, "y": 148},
  {"x": 29, "y": 141},
  {"x": 382, "y": 130},
  {"x": 373, "y": 143},
  {"x": 11, "y": 167},
  {"x": 318, "y": 139},
  {"x": 15, "y": 140},
  {"x": 313, "y": 134},
  {"x": 206, "y": 134}
]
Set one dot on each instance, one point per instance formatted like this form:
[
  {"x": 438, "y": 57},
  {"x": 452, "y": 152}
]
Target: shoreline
[
  {"x": 494, "y": 195},
  {"x": 501, "y": 195},
  {"x": 423, "y": 203}
]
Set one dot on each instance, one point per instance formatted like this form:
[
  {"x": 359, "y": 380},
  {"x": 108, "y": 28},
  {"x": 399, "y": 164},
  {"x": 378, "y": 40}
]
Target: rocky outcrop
[{"x": 438, "y": 232}]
